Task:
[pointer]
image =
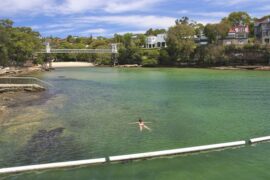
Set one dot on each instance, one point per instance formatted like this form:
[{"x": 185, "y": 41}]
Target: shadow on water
[{"x": 47, "y": 146}]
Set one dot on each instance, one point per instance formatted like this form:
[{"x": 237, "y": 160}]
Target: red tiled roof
[{"x": 233, "y": 29}]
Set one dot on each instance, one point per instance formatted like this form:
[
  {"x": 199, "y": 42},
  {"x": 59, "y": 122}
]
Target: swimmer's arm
[{"x": 146, "y": 127}]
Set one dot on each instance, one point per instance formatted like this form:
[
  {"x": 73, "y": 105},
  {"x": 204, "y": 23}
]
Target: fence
[
  {"x": 24, "y": 80},
  {"x": 133, "y": 156}
]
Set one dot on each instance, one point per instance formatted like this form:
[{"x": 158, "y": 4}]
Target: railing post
[{"x": 48, "y": 48}]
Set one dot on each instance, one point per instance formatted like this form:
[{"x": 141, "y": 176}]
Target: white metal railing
[
  {"x": 24, "y": 80},
  {"x": 133, "y": 156},
  {"x": 78, "y": 51}
]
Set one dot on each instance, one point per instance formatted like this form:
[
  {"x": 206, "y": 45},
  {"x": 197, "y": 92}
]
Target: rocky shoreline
[
  {"x": 9, "y": 100},
  {"x": 19, "y": 71},
  {"x": 261, "y": 68}
]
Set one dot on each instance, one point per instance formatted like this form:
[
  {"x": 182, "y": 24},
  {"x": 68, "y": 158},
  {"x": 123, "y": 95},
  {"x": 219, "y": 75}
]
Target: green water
[{"x": 187, "y": 107}]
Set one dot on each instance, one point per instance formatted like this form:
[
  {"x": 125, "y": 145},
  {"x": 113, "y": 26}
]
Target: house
[
  {"x": 238, "y": 35},
  {"x": 262, "y": 30},
  {"x": 201, "y": 39},
  {"x": 158, "y": 41}
]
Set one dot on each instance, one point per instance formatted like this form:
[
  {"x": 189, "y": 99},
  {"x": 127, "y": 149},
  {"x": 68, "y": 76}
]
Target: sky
[{"x": 60, "y": 18}]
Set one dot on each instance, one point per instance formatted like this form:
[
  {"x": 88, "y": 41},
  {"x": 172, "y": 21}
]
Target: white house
[
  {"x": 158, "y": 41},
  {"x": 262, "y": 30}
]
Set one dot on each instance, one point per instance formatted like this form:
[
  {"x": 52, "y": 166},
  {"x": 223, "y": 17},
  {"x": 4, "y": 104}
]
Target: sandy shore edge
[
  {"x": 72, "y": 64},
  {"x": 259, "y": 67}
]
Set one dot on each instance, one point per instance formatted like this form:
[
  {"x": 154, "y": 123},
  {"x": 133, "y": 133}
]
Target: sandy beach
[{"x": 71, "y": 64}]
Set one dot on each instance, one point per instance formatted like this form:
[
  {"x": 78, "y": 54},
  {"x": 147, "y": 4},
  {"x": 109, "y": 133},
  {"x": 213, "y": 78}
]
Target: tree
[
  {"x": 180, "y": 42},
  {"x": 211, "y": 32},
  {"x": 127, "y": 40},
  {"x": 3, "y": 56},
  {"x": 149, "y": 32},
  {"x": 214, "y": 54},
  {"x": 183, "y": 20},
  {"x": 4, "y": 36},
  {"x": 199, "y": 28},
  {"x": 24, "y": 43},
  {"x": 129, "y": 51},
  {"x": 223, "y": 29},
  {"x": 216, "y": 31},
  {"x": 150, "y": 57},
  {"x": 238, "y": 18},
  {"x": 6, "y": 23},
  {"x": 154, "y": 32},
  {"x": 98, "y": 43},
  {"x": 164, "y": 57},
  {"x": 17, "y": 44},
  {"x": 117, "y": 38},
  {"x": 140, "y": 40},
  {"x": 251, "y": 28},
  {"x": 129, "y": 55}
]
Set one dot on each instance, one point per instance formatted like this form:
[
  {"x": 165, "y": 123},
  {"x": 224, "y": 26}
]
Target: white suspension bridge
[
  {"x": 49, "y": 50},
  {"x": 113, "y": 50}
]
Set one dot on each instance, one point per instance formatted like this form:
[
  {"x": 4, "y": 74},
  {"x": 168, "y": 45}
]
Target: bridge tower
[
  {"x": 48, "y": 50},
  {"x": 48, "y": 47},
  {"x": 114, "y": 53},
  {"x": 114, "y": 48}
]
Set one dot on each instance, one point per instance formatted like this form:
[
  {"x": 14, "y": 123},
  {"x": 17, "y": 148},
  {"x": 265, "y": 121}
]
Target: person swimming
[{"x": 142, "y": 125}]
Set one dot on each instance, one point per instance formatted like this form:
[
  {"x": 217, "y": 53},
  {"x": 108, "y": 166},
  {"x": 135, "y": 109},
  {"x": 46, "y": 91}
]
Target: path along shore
[{"x": 19, "y": 71}]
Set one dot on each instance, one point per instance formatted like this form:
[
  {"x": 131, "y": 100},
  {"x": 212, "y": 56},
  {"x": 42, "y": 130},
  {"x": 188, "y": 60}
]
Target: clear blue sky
[{"x": 106, "y": 17}]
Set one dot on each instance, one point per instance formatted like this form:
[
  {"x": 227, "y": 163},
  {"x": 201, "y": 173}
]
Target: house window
[
  {"x": 241, "y": 36},
  {"x": 241, "y": 29},
  {"x": 267, "y": 41}
]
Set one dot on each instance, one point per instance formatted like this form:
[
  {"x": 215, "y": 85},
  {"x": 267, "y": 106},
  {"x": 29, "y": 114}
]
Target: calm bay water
[{"x": 88, "y": 116}]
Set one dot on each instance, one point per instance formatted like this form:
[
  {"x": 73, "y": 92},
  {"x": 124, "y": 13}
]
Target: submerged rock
[
  {"x": 45, "y": 139},
  {"x": 47, "y": 146},
  {"x": 2, "y": 109}
]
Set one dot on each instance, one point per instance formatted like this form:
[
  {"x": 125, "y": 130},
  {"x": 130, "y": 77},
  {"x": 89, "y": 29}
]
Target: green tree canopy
[
  {"x": 6, "y": 23},
  {"x": 180, "y": 42},
  {"x": 154, "y": 32},
  {"x": 238, "y": 18},
  {"x": 17, "y": 44},
  {"x": 24, "y": 43},
  {"x": 216, "y": 31}
]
